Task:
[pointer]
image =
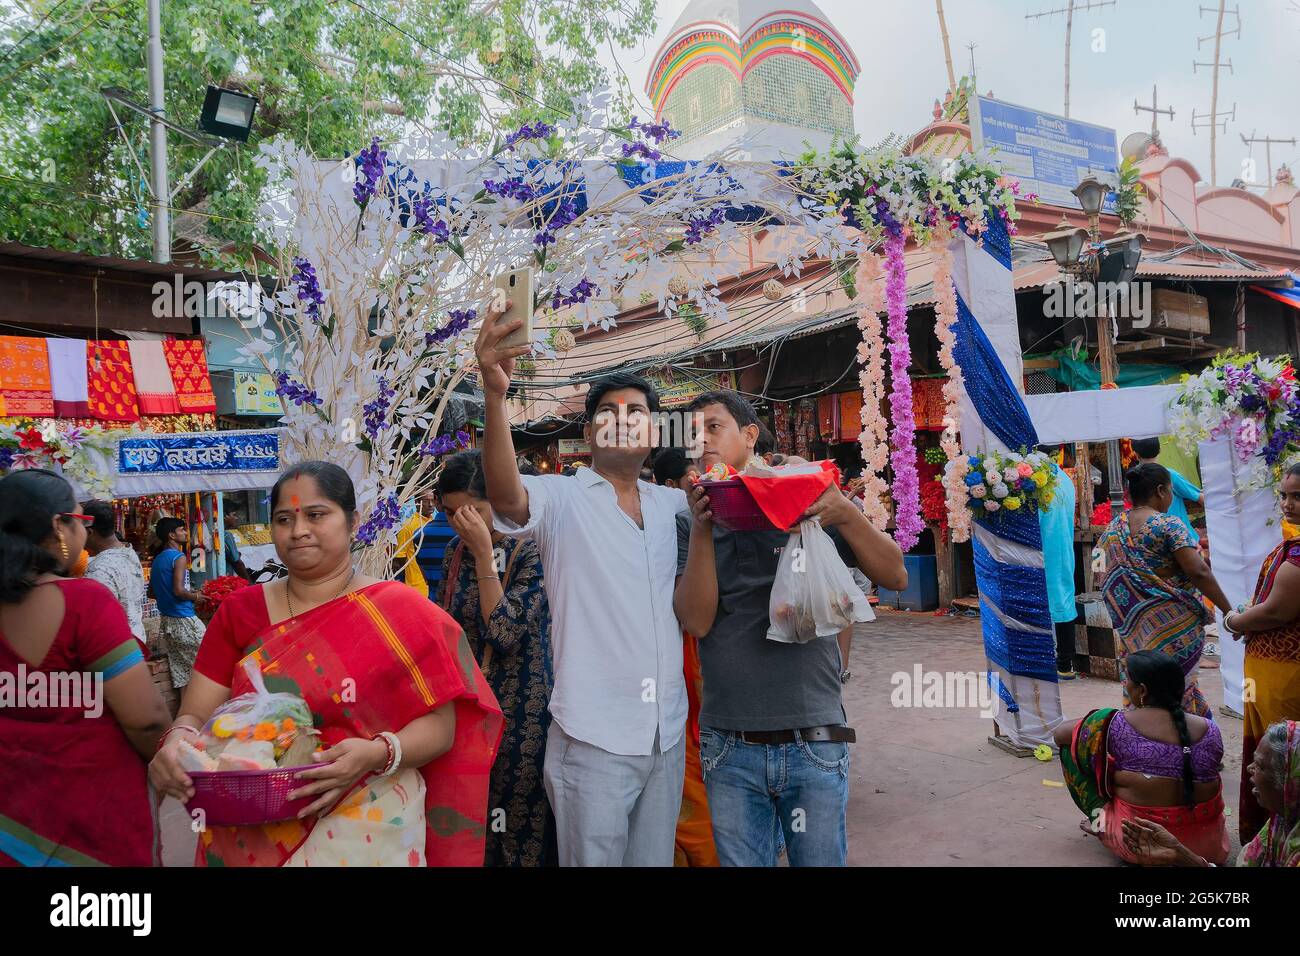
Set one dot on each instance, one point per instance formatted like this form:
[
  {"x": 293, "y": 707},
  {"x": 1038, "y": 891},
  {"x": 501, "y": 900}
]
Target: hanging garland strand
[
  {"x": 906, "y": 488},
  {"x": 945, "y": 310},
  {"x": 871, "y": 376}
]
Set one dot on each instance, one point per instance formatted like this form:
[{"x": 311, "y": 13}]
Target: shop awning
[
  {"x": 1035, "y": 273},
  {"x": 1287, "y": 294}
]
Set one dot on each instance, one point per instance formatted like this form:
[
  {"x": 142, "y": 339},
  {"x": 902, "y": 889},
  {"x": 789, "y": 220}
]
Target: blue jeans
[{"x": 802, "y": 788}]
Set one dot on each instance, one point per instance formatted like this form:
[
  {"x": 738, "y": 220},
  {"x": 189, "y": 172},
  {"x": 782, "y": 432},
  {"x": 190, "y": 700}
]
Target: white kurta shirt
[
  {"x": 616, "y": 642},
  {"x": 119, "y": 570}
]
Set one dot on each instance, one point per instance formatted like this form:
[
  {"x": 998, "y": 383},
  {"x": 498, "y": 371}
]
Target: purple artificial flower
[
  {"x": 425, "y": 222},
  {"x": 697, "y": 227},
  {"x": 513, "y": 188},
  {"x": 1277, "y": 445},
  {"x": 6, "y": 457},
  {"x": 298, "y": 394},
  {"x": 656, "y": 131},
  {"x": 642, "y": 150},
  {"x": 458, "y": 322},
  {"x": 386, "y": 515},
  {"x": 445, "y": 444},
  {"x": 373, "y": 160},
  {"x": 887, "y": 220},
  {"x": 375, "y": 413},
  {"x": 538, "y": 130},
  {"x": 565, "y": 213},
  {"x": 581, "y": 292},
  {"x": 304, "y": 277}
]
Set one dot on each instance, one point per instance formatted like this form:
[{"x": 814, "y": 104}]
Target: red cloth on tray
[{"x": 784, "y": 499}]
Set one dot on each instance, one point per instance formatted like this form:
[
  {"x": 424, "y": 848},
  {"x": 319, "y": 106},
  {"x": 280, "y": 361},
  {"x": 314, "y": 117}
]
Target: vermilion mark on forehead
[{"x": 293, "y": 500}]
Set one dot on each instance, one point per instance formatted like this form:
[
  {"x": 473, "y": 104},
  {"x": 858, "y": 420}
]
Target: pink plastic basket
[
  {"x": 734, "y": 507},
  {"x": 241, "y": 798}
]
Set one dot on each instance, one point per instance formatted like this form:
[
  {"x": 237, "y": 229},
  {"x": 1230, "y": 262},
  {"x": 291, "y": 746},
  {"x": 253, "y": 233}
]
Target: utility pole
[
  {"x": 1268, "y": 142},
  {"x": 947, "y": 50},
  {"x": 971, "y": 48},
  {"x": 1154, "y": 110},
  {"x": 1211, "y": 119},
  {"x": 1068, "y": 10},
  {"x": 162, "y": 246}
]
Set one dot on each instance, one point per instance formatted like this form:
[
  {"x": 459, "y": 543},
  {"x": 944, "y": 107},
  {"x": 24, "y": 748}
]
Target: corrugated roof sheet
[{"x": 1036, "y": 274}]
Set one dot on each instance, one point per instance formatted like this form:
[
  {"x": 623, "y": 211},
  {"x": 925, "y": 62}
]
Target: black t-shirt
[{"x": 751, "y": 683}]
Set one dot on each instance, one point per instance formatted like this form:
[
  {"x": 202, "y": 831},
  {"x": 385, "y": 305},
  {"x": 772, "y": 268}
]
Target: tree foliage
[{"x": 328, "y": 73}]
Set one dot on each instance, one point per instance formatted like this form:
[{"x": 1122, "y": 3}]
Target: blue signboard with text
[
  {"x": 210, "y": 452},
  {"x": 1048, "y": 154}
]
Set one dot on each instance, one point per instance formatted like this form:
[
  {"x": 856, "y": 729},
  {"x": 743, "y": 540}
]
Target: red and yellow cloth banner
[
  {"x": 189, "y": 368},
  {"x": 111, "y": 381}
]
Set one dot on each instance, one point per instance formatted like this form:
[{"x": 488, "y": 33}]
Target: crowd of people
[
  {"x": 582, "y": 676},
  {"x": 1148, "y": 776}
]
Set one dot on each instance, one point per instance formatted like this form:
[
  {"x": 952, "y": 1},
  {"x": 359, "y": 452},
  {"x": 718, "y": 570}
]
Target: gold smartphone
[{"x": 515, "y": 287}]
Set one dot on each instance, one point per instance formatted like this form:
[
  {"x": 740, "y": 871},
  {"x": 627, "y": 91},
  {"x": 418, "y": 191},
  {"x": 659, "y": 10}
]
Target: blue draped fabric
[
  {"x": 997, "y": 400},
  {"x": 1019, "y": 593}
]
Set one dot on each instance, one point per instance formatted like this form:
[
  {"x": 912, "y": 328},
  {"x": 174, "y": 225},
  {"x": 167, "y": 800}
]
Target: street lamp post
[{"x": 1117, "y": 258}]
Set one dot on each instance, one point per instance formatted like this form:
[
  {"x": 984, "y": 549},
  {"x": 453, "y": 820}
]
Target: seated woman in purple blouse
[{"x": 1157, "y": 763}]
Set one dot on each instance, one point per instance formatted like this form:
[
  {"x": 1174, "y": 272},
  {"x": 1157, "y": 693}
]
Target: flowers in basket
[
  {"x": 1252, "y": 400},
  {"x": 254, "y": 731},
  {"x": 1011, "y": 482}
]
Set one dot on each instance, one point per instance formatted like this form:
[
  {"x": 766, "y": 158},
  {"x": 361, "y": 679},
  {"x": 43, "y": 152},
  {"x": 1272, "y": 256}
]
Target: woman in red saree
[
  {"x": 371, "y": 658},
  {"x": 78, "y": 708}
]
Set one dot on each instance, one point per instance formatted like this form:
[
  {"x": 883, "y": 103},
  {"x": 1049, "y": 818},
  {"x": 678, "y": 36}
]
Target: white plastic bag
[
  {"x": 814, "y": 594},
  {"x": 258, "y": 727}
]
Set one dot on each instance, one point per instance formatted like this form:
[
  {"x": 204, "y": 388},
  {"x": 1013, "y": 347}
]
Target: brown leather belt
[{"x": 808, "y": 734}]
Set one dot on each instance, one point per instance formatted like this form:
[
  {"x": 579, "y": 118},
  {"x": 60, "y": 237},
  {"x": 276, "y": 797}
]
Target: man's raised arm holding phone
[{"x": 496, "y": 362}]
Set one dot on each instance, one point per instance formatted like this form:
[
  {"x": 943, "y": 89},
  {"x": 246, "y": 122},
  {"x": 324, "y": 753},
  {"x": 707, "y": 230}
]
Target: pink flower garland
[
  {"x": 945, "y": 309},
  {"x": 871, "y": 376},
  {"x": 907, "y": 492}
]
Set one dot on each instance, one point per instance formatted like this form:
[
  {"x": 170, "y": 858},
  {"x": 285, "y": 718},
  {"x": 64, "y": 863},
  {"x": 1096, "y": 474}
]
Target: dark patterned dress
[{"x": 521, "y": 828}]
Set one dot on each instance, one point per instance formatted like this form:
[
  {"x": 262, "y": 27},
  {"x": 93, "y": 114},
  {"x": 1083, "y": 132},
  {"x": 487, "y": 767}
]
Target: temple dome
[{"x": 764, "y": 77}]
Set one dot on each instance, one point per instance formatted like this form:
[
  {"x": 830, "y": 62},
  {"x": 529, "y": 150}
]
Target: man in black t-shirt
[{"x": 773, "y": 744}]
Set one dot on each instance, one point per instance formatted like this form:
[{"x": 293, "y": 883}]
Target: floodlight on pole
[{"x": 228, "y": 113}]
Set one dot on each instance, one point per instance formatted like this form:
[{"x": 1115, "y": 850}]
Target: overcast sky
[{"x": 1145, "y": 41}]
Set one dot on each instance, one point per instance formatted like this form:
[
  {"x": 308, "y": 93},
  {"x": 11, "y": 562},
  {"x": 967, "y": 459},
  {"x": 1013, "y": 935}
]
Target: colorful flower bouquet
[
  {"x": 83, "y": 454},
  {"x": 1253, "y": 400},
  {"x": 1010, "y": 482}
]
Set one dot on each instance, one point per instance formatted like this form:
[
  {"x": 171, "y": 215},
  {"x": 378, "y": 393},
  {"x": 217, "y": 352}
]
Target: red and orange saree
[
  {"x": 1272, "y": 672},
  {"x": 375, "y": 660}
]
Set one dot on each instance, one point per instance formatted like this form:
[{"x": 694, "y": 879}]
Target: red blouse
[{"x": 242, "y": 615}]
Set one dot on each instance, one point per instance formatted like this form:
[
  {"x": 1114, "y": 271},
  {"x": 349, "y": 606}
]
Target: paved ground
[{"x": 927, "y": 787}]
